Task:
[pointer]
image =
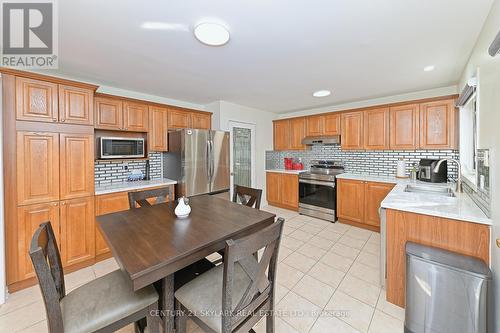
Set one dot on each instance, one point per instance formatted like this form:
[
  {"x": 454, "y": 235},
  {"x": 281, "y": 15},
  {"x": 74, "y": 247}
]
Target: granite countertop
[
  {"x": 371, "y": 178},
  {"x": 130, "y": 186},
  {"x": 295, "y": 172}
]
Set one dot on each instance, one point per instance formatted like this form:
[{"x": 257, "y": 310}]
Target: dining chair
[
  {"x": 140, "y": 197},
  {"x": 234, "y": 296},
  {"x": 247, "y": 196},
  {"x": 105, "y": 304}
]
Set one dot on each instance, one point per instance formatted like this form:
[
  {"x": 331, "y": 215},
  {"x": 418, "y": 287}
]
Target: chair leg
[
  {"x": 180, "y": 318},
  {"x": 152, "y": 319},
  {"x": 270, "y": 322}
]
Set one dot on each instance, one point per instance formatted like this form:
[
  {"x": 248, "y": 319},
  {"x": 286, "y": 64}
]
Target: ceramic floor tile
[
  {"x": 339, "y": 262},
  {"x": 373, "y": 248},
  {"x": 299, "y": 261},
  {"x": 288, "y": 276},
  {"x": 330, "y": 324},
  {"x": 345, "y": 250},
  {"x": 313, "y": 290},
  {"x": 311, "y": 251},
  {"x": 358, "y": 315},
  {"x": 310, "y": 229},
  {"x": 321, "y": 242},
  {"x": 104, "y": 267},
  {"x": 383, "y": 323},
  {"x": 369, "y": 259},
  {"x": 360, "y": 290},
  {"x": 40, "y": 327},
  {"x": 339, "y": 227},
  {"x": 365, "y": 273},
  {"x": 326, "y": 274},
  {"x": 22, "y": 318},
  {"x": 358, "y": 233},
  {"x": 322, "y": 224},
  {"x": 374, "y": 238},
  {"x": 301, "y": 235},
  {"x": 127, "y": 329},
  {"x": 280, "y": 326},
  {"x": 389, "y": 308},
  {"x": 78, "y": 278},
  {"x": 330, "y": 235},
  {"x": 291, "y": 243},
  {"x": 283, "y": 253},
  {"x": 288, "y": 229},
  {"x": 21, "y": 299},
  {"x": 281, "y": 291},
  {"x": 298, "y": 312},
  {"x": 352, "y": 242}
]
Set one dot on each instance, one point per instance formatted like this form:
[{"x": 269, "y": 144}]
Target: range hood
[{"x": 321, "y": 140}]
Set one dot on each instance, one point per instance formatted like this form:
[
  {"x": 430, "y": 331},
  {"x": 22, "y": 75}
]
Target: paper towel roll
[{"x": 401, "y": 169}]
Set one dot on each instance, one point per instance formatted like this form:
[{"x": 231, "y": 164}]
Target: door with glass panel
[{"x": 242, "y": 154}]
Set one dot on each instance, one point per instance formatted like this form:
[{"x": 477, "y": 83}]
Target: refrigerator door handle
[
  {"x": 212, "y": 160},
  {"x": 207, "y": 160}
]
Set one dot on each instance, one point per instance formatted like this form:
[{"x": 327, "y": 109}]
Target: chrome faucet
[{"x": 459, "y": 179}]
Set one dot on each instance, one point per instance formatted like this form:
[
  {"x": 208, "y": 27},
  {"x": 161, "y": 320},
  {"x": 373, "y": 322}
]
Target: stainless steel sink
[{"x": 435, "y": 190}]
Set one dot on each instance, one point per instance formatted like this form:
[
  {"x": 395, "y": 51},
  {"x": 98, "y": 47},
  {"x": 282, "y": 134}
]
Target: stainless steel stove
[{"x": 317, "y": 189}]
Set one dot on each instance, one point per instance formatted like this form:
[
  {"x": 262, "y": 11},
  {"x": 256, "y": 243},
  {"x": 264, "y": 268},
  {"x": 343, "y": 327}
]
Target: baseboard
[{"x": 360, "y": 225}]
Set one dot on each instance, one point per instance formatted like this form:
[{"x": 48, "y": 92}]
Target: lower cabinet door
[
  {"x": 374, "y": 194},
  {"x": 77, "y": 230},
  {"x": 29, "y": 219},
  {"x": 290, "y": 190},
  {"x": 350, "y": 200},
  {"x": 106, "y": 204},
  {"x": 273, "y": 191}
]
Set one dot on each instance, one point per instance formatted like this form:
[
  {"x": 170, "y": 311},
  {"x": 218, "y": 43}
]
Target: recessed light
[
  {"x": 322, "y": 93},
  {"x": 153, "y": 25},
  {"x": 212, "y": 34},
  {"x": 429, "y": 68}
]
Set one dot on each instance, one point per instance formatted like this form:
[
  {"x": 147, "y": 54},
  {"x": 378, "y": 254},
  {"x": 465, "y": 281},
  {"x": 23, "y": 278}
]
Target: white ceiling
[{"x": 279, "y": 53}]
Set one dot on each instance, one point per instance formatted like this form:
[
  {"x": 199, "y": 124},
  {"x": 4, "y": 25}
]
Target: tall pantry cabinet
[{"x": 48, "y": 170}]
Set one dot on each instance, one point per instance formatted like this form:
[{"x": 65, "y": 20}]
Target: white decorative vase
[{"x": 183, "y": 209}]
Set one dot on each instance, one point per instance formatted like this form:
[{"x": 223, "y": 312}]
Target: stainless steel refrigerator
[{"x": 198, "y": 160}]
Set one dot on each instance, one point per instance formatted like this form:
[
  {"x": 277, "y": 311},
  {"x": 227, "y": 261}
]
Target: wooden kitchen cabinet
[
  {"x": 76, "y": 105},
  {"x": 404, "y": 126},
  {"x": 352, "y": 130},
  {"x": 158, "y": 129},
  {"x": 374, "y": 195},
  {"x": 315, "y": 125},
  {"x": 178, "y": 119},
  {"x": 37, "y": 167},
  {"x": 350, "y": 200},
  {"x": 282, "y": 190},
  {"x": 438, "y": 125},
  {"x": 135, "y": 117},
  {"x": 107, "y": 204},
  {"x": 29, "y": 219},
  {"x": 77, "y": 231},
  {"x": 331, "y": 124},
  {"x": 273, "y": 188},
  {"x": 297, "y": 133},
  {"x": 201, "y": 120},
  {"x": 281, "y": 134},
  {"x": 36, "y": 100},
  {"x": 376, "y": 129},
  {"x": 108, "y": 113},
  {"x": 76, "y": 165}
]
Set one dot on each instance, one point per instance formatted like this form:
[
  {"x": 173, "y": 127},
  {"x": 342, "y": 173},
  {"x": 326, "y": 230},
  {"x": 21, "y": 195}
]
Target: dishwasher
[{"x": 446, "y": 292}]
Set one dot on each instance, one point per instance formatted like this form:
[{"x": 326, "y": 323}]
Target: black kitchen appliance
[{"x": 426, "y": 171}]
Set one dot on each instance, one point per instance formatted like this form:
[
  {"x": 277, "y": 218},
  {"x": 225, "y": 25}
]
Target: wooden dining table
[{"x": 150, "y": 244}]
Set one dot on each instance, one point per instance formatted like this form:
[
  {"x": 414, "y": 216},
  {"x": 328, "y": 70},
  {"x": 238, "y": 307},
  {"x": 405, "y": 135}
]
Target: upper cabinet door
[
  {"x": 281, "y": 134},
  {"x": 201, "y": 120},
  {"x": 352, "y": 131},
  {"x": 37, "y": 167},
  {"x": 36, "y": 100},
  {"x": 438, "y": 125},
  {"x": 76, "y": 105},
  {"x": 178, "y": 119},
  {"x": 158, "y": 129},
  {"x": 76, "y": 165},
  {"x": 376, "y": 129},
  {"x": 135, "y": 117},
  {"x": 332, "y": 124},
  {"x": 315, "y": 125},
  {"x": 108, "y": 113},
  {"x": 297, "y": 133},
  {"x": 404, "y": 127}
]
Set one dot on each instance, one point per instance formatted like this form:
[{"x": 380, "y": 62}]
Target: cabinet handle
[
  {"x": 63, "y": 203},
  {"x": 56, "y": 204}
]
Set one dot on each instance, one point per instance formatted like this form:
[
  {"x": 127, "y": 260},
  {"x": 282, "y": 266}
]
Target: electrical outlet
[
  {"x": 125, "y": 166},
  {"x": 498, "y": 242}
]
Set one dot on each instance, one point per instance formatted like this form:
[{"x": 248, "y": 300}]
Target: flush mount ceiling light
[
  {"x": 429, "y": 68},
  {"x": 212, "y": 34},
  {"x": 322, "y": 93}
]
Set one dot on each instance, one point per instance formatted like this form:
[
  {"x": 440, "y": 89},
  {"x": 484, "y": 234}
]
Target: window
[{"x": 468, "y": 138}]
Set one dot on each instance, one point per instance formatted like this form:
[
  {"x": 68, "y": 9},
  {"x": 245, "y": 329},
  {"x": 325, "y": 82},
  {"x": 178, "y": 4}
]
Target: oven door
[{"x": 319, "y": 195}]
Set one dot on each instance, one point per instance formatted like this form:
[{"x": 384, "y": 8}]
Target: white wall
[
  {"x": 3, "y": 281},
  {"x": 450, "y": 90},
  {"x": 263, "y": 133},
  {"x": 489, "y": 134}
]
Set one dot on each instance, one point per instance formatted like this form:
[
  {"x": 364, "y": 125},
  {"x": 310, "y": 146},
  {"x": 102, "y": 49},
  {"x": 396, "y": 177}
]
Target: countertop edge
[
  {"x": 121, "y": 187},
  {"x": 293, "y": 172}
]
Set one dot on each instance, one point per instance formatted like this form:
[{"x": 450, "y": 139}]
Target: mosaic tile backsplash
[
  {"x": 381, "y": 163},
  {"x": 107, "y": 172}
]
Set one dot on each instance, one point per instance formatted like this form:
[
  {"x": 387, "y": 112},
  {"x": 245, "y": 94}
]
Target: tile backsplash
[
  {"x": 382, "y": 163},
  {"x": 107, "y": 172},
  {"x": 481, "y": 195}
]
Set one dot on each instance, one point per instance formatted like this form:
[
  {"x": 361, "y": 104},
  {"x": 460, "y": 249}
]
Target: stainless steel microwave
[{"x": 114, "y": 147}]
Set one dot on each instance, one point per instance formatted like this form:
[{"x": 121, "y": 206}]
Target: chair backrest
[
  {"x": 261, "y": 287},
  {"x": 247, "y": 196},
  {"x": 46, "y": 260},
  {"x": 140, "y": 197}
]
